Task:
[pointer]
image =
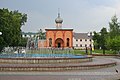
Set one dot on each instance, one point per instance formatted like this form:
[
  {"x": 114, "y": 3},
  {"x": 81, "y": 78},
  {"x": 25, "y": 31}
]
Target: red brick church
[{"x": 57, "y": 37}]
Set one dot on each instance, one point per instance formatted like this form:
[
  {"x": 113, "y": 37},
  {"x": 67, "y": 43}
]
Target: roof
[{"x": 81, "y": 36}]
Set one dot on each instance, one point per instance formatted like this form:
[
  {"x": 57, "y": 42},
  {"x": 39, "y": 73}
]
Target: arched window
[
  {"x": 50, "y": 42},
  {"x": 68, "y": 42}
]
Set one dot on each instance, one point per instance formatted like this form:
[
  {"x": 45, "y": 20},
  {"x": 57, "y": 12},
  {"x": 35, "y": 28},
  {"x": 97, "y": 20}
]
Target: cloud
[
  {"x": 36, "y": 21},
  {"x": 94, "y": 18},
  {"x": 82, "y": 15}
]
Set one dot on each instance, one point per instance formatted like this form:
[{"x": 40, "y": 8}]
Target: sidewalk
[{"x": 94, "y": 74}]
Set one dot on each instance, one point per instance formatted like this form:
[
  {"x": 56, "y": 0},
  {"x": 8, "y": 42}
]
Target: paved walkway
[
  {"x": 94, "y": 74},
  {"x": 58, "y": 73}
]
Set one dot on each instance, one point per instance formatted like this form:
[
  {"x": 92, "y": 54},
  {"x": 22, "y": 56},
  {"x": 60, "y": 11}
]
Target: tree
[
  {"x": 10, "y": 26},
  {"x": 103, "y": 38},
  {"x": 96, "y": 39},
  {"x": 109, "y": 40},
  {"x": 114, "y": 43},
  {"x": 23, "y": 42},
  {"x": 100, "y": 39},
  {"x": 114, "y": 27},
  {"x": 41, "y": 34},
  {"x": 113, "y": 40}
]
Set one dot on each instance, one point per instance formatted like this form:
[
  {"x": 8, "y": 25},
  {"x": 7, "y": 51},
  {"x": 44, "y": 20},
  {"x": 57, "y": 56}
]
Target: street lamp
[
  {"x": 0, "y": 33},
  {"x": 86, "y": 50},
  {"x": 90, "y": 34}
]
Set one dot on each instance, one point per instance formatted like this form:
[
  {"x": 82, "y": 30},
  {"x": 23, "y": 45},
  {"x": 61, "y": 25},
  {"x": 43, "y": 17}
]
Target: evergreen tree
[
  {"x": 114, "y": 27},
  {"x": 113, "y": 40},
  {"x": 103, "y": 38},
  {"x": 100, "y": 39}
]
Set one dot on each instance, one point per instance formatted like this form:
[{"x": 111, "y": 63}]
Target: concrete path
[
  {"x": 94, "y": 74},
  {"x": 57, "y": 73}
]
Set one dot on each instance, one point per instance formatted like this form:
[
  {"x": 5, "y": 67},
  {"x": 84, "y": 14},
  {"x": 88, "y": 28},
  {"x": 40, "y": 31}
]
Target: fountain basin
[
  {"x": 58, "y": 67},
  {"x": 43, "y": 58},
  {"x": 35, "y": 55}
]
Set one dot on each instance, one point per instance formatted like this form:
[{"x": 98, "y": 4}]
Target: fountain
[{"x": 44, "y": 59}]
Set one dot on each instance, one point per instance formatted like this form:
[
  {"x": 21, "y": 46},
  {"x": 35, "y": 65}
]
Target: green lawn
[
  {"x": 83, "y": 52},
  {"x": 77, "y": 51},
  {"x": 101, "y": 51}
]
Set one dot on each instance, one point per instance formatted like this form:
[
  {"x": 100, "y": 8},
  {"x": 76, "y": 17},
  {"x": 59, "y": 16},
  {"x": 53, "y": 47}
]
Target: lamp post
[
  {"x": 0, "y": 33},
  {"x": 86, "y": 50},
  {"x": 90, "y": 34}
]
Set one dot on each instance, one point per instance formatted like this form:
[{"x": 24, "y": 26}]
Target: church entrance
[{"x": 59, "y": 43}]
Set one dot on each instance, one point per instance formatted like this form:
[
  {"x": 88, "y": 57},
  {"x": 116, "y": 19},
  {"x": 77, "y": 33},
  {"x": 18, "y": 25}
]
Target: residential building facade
[
  {"x": 82, "y": 40},
  {"x": 28, "y": 34}
]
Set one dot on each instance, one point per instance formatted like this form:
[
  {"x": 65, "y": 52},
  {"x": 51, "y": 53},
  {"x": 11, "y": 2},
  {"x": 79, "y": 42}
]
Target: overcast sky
[{"x": 81, "y": 15}]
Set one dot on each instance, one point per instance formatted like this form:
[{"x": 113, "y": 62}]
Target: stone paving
[
  {"x": 94, "y": 74},
  {"x": 95, "y": 61}
]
